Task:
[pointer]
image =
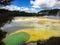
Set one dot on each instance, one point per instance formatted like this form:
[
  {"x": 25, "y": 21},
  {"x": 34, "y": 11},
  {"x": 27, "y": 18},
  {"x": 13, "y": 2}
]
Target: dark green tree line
[
  {"x": 5, "y": 2},
  {"x": 3, "y": 19}
]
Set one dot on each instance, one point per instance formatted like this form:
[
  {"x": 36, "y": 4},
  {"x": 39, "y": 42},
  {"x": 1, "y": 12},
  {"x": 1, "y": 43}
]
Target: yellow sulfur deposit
[
  {"x": 40, "y": 34},
  {"x": 43, "y": 30}
]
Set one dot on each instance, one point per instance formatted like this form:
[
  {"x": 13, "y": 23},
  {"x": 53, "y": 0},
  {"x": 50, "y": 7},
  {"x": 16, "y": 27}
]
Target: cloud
[
  {"x": 45, "y": 3},
  {"x": 17, "y": 8},
  {"x": 11, "y": 7},
  {"x": 30, "y": 10}
]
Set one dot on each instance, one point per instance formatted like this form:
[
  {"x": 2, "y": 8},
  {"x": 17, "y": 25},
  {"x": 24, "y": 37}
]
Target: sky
[{"x": 33, "y": 5}]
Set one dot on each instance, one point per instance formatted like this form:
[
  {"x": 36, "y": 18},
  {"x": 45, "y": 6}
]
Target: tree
[
  {"x": 3, "y": 18},
  {"x": 5, "y": 2},
  {"x": 52, "y": 12}
]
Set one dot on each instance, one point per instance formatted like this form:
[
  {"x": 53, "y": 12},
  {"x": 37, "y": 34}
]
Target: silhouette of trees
[
  {"x": 4, "y": 17},
  {"x": 51, "y": 41},
  {"x": 52, "y": 12},
  {"x": 5, "y": 2}
]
